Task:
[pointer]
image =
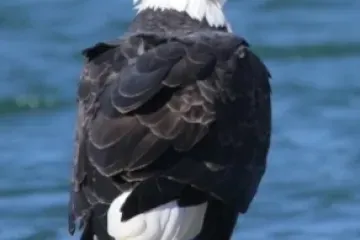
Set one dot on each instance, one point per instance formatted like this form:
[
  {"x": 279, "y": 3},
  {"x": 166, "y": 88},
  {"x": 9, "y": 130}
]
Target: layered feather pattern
[{"x": 183, "y": 118}]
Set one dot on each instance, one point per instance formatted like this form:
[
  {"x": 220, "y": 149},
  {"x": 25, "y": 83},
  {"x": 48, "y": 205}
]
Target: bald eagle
[{"x": 173, "y": 127}]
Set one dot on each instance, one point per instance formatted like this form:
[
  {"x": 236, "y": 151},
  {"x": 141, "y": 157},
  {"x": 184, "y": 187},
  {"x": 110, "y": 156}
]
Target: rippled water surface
[{"x": 311, "y": 189}]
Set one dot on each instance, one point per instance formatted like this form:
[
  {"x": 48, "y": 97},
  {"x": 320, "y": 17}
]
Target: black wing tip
[
  {"x": 96, "y": 50},
  {"x": 100, "y": 48},
  {"x": 244, "y": 49}
]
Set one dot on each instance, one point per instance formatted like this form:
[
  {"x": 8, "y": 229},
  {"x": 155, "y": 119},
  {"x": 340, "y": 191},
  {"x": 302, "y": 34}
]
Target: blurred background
[{"x": 312, "y": 47}]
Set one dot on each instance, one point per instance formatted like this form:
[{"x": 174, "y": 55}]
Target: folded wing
[{"x": 150, "y": 105}]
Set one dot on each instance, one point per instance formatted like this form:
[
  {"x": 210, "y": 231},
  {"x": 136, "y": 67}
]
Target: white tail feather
[{"x": 166, "y": 222}]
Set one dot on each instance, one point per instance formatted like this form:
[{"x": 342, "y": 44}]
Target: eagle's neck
[{"x": 210, "y": 11}]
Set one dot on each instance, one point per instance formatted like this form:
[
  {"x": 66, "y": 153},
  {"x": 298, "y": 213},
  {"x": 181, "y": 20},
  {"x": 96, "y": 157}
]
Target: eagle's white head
[{"x": 210, "y": 10}]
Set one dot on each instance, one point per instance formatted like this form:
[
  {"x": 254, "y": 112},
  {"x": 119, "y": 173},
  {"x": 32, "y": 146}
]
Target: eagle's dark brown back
[{"x": 184, "y": 118}]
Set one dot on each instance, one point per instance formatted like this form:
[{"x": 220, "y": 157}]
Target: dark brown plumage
[{"x": 184, "y": 118}]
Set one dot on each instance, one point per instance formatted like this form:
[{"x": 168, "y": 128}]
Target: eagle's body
[{"x": 173, "y": 131}]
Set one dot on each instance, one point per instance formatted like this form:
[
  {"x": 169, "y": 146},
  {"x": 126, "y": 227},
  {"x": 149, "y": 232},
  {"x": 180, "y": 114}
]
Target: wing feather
[{"x": 158, "y": 114}]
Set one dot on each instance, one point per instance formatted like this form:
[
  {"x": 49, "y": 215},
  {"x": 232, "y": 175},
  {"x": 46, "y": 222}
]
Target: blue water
[{"x": 311, "y": 189}]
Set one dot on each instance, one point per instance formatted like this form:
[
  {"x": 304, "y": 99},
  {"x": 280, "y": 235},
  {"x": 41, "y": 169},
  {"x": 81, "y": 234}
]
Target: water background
[{"x": 311, "y": 190}]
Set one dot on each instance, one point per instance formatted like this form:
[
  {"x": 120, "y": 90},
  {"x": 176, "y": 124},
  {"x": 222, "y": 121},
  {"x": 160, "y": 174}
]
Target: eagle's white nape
[
  {"x": 166, "y": 222},
  {"x": 211, "y": 10}
]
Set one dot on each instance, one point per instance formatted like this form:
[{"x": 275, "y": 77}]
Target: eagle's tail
[{"x": 166, "y": 222}]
